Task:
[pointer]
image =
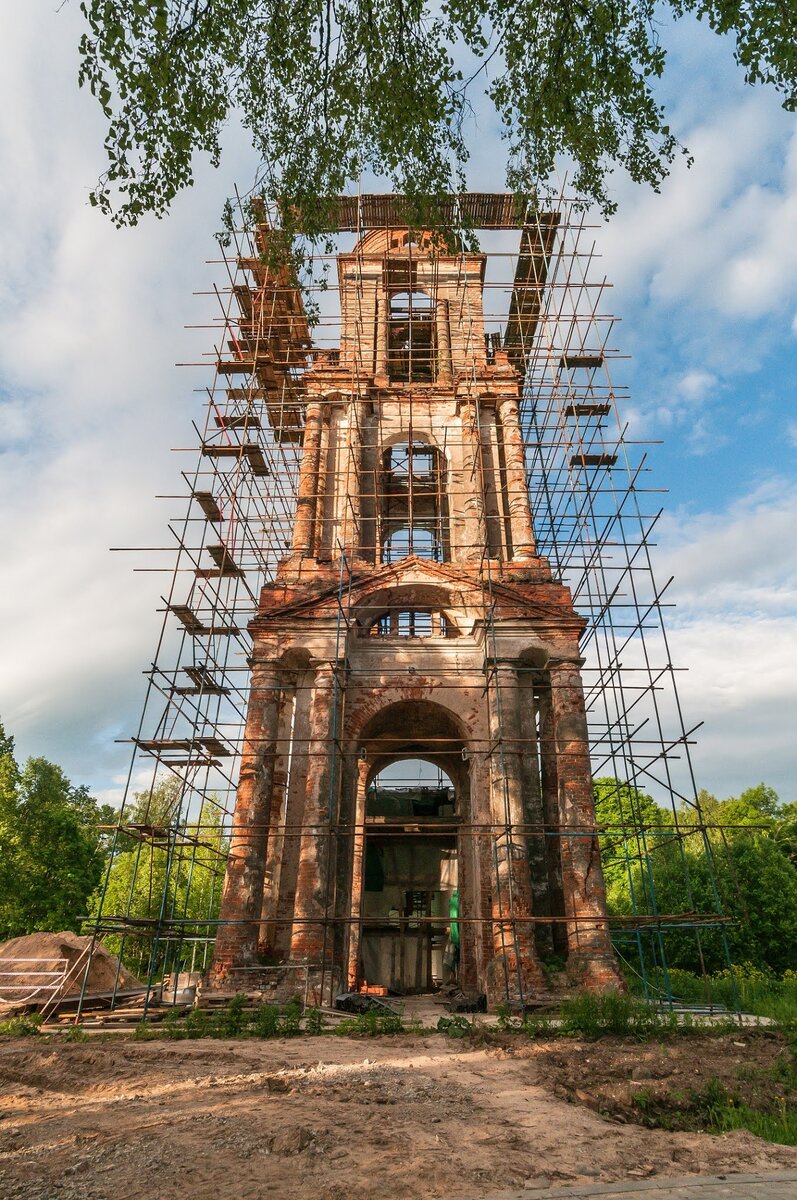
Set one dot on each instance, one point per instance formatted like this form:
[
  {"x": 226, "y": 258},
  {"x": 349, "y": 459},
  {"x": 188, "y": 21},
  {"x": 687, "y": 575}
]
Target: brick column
[
  {"x": 380, "y": 349},
  {"x": 515, "y": 965},
  {"x": 474, "y": 538},
  {"x": 517, "y": 493},
  {"x": 445, "y": 371},
  {"x": 290, "y": 838},
  {"x": 236, "y": 943},
  {"x": 277, "y": 820},
  {"x": 591, "y": 959},
  {"x": 350, "y": 531},
  {"x": 550, "y": 807},
  {"x": 310, "y": 906},
  {"x": 357, "y": 879},
  {"x": 307, "y": 494}
]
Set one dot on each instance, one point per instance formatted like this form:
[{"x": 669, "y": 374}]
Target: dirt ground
[{"x": 333, "y": 1118}]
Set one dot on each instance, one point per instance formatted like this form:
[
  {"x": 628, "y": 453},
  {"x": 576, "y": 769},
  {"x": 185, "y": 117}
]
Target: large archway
[{"x": 410, "y": 871}]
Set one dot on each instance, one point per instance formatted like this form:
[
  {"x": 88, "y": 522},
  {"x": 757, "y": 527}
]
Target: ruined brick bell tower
[{"x": 413, "y": 621}]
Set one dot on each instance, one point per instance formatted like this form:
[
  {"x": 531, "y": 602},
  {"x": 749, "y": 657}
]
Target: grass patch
[
  {"x": 238, "y": 1020},
  {"x": 372, "y": 1024},
  {"x": 762, "y": 1101},
  {"x": 756, "y": 990},
  {"x": 23, "y": 1026},
  {"x": 235, "y": 1020},
  {"x": 716, "y": 1109}
]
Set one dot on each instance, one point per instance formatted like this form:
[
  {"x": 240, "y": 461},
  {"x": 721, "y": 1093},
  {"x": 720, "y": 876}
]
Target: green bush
[
  {"x": 24, "y": 1026},
  {"x": 592, "y": 1015},
  {"x": 314, "y": 1022},
  {"x": 456, "y": 1026},
  {"x": 371, "y": 1023}
]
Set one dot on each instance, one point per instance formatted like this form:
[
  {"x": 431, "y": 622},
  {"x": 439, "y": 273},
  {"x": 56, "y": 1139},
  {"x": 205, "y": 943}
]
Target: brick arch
[
  {"x": 418, "y": 436},
  {"x": 416, "y": 728},
  {"x": 414, "y": 595}
]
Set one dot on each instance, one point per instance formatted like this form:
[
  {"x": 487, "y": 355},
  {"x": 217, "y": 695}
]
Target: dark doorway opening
[{"x": 410, "y": 937}]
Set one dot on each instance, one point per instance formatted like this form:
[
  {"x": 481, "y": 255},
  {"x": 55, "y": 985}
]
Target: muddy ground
[{"x": 333, "y": 1118}]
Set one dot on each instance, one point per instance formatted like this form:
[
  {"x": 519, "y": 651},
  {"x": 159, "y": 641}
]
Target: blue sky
[{"x": 91, "y": 324}]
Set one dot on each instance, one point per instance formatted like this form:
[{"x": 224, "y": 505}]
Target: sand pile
[{"x": 31, "y": 981}]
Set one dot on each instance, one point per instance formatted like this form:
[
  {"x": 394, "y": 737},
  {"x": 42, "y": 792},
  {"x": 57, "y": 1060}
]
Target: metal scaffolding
[{"x": 594, "y": 515}]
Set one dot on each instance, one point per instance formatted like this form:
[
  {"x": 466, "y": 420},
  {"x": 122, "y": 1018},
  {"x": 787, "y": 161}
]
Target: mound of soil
[{"x": 29, "y": 981}]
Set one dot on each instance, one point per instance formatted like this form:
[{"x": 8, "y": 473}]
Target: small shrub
[
  {"x": 198, "y": 1024},
  {"x": 591, "y": 1015},
  {"x": 173, "y": 1026},
  {"x": 538, "y": 1025},
  {"x": 232, "y": 1020},
  {"x": 290, "y": 1026},
  {"x": 27, "y": 1025},
  {"x": 266, "y": 1021},
  {"x": 314, "y": 1022},
  {"x": 507, "y": 1019},
  {"x": 76, "y": 1033},
  {"x": 455, "y": 1026},
  {"x": 553, "y": 964}
]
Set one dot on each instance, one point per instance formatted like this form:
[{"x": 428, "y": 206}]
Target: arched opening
[
  {"x": 411, "y": 339},
  {"x": 410, "y": 890},
  {"x": 418, "y": 539},
  {"x": 413, "y": 623},
  {"x": 388, "y": 611},
  {"x": 410, "y": 939},
  {"x": 414, "y": 507}
]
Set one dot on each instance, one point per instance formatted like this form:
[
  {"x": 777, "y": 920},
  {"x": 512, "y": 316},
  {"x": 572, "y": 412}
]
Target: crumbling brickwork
[{"x": 413, "y": 619}]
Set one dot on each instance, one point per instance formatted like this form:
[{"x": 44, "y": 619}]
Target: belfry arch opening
[
  {"x": 413, "y": 511},
  {"x": 410, "y": 893},
  {"x": 412, "y": 338}
]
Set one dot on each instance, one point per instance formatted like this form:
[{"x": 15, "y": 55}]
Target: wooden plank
[
  {"x": 531, "y": 273},
  {"x": 243, "y": 421},
  {"x": 216, "y": 747},
  {"x": 189, "y": 618},
  {"x": 207, "y": 502},
  {"x": 588, "y": 410},
  {"x": 256, "y": 461},
  {"x": 477, "y": 210},
  {"x": 572, "y": 362},
  {"x": 225, "y": 450},
  {"x": 226, "y": 566},
  {"x": 236, "y": 366},
  {"x": 593, "y": 460}
]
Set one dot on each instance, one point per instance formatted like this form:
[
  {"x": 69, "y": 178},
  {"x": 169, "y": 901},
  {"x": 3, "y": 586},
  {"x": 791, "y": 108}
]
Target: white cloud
[
  {"x": 727, "y": 559},
  {"x": 696, "y": 384},
  {"x": 712, "y": 259},
  {"x": 91, "y": 322},
  {"x": 735, "y": 630}
]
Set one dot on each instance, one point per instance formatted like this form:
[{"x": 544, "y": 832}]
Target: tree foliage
[
  {"x": 51, "y": 849},
  {"x": 177, "y": 876},
  {"x": 328, "y": 91},
  {"x": 744, "y": 863},
  {"x": 757, "y": 887},
  {"x": 632, "y": 822}
]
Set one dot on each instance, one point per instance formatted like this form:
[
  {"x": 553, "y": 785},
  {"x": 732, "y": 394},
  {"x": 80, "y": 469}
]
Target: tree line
[
  {"x": 741, "y": 858},
  {"x": 62, "y": 853}
]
